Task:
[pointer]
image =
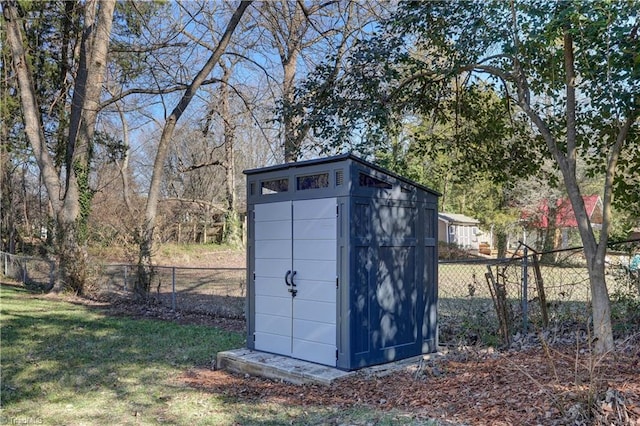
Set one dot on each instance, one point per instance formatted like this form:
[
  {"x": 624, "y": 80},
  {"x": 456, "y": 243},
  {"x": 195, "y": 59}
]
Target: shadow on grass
[
  {"x": 68, "y": 364},
  {"x": 57, "y": 355}
]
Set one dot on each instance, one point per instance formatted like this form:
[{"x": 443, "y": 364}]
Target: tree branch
[
  {"x": 571, "y": 100},
  {"x": 200, "y": 166},
  {"x": 216, "y": 206},
  {"x": 125, "y": 48},
  {"x": 159, "y": 91}
]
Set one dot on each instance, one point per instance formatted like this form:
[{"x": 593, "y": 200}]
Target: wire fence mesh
[
  {"x": 485, "y": 301},
  {"x": 491, "y": 300},
  {"x": 36, "y": 274},
  {"x": 213, "y": 291}
]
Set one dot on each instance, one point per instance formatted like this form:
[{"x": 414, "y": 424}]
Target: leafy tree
[
  {"x": 571, "y": 68},
  {"x": 473, "y": 153}
]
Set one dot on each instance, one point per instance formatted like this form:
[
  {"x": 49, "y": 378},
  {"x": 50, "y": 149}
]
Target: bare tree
[
  {"x": 290, "y": 25},
  {"x": 232, "y": 232},
  {"x": 304, "y": 35},
  {"x": 146, "y": 239}
]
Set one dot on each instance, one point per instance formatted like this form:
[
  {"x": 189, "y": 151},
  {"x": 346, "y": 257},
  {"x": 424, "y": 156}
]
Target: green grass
[{"x": 66, "y": 364}]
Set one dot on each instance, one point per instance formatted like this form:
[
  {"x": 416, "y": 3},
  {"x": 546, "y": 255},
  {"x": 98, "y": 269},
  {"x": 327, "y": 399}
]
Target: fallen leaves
[{"x": 501, "y": 389}]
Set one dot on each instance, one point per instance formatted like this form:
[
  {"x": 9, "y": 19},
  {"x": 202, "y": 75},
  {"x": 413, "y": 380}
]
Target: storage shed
[
  {"x": 459, "y": 229},
  {"x": 341, "y": 263}
]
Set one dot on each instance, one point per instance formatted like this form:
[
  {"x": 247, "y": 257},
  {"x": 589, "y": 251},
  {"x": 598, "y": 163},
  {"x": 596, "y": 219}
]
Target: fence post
[
  {"x": 173, "y": 288},
  {"x": 124, "y": 286},
  {"x": 52, "y": 274},
  {"x": 525, "y": 284},
  {"x": 541, "y": 294}
]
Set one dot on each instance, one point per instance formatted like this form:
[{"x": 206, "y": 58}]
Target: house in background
[
  {"x": 458, "y": 229},
  {"x": 560, "y": 219}
]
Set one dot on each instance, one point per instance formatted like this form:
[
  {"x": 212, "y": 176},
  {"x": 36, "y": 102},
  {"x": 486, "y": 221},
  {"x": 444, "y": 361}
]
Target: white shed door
[{"x": 295, "y": 279}]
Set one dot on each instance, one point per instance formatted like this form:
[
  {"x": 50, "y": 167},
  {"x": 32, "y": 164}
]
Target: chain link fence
[
  {"x": 34, "y": 273},
  {"x": 492, "y": 300},
  {"x": 211, "y": 291},
  {"x": 481, "y": 301}
]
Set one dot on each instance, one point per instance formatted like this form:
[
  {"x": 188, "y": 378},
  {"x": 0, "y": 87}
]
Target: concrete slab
[
  {"x": 296, "y": 371},
  {"x": 277, "y": 367}
]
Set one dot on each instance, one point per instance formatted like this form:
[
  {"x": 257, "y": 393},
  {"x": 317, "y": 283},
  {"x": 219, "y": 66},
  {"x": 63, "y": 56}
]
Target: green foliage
[
  {"x": 130, "y": 19},
  {"x": 363, "y": 108},
  {"x": 115, "y": 148},
  {"x": 453, "y": 73},
  {"x": 482, "y": 38},
  {"x": 472, "y": 154},
  {"x": 232, "y": 233},
  {"x": 130, "y": 26},
  {"x": 52, "y": 31}
]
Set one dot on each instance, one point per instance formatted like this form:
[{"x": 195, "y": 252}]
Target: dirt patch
[
  {"x": 151, "y": 310},
  {"x": 202, "y": 258}
]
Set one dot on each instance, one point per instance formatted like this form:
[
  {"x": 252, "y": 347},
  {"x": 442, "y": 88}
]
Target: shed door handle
[
  {"x": 286, "y": 278},
  {"x": 291, "y": 290}
]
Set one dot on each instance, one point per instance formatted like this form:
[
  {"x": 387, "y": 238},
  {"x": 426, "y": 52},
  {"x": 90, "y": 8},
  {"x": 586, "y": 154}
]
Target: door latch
[{"x": 291, "y": 283}]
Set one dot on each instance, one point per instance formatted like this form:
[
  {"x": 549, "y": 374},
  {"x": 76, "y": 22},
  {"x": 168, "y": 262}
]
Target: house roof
[
  {"x": 564, "y": 215},
  {"x": 458, "y": 219}
]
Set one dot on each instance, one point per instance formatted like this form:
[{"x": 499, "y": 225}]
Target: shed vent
[{"x": 339, "y": 177}]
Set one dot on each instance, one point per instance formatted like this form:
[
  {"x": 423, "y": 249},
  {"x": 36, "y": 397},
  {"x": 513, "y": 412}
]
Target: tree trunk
[
  {"x": 33, "y": 128},
  {"x": 7, "y": 202},
  {"x": 565, "y": 155},
  {"x": 145, "y": 264},
  {"x": 70, "y": 209},
  {"x": 549, "y": 242},
  {"x": 594, "y": 253},
  {"x": 501, "y": 243},
  {"x": 291, "y": 121},
  {"x": 288, "y": 25},
  {"x": 72, "y": 233},
  {"x": 232, "y": 230},
  {"x": 601, "y": 307},
  {"x": 123, "y": 165}
]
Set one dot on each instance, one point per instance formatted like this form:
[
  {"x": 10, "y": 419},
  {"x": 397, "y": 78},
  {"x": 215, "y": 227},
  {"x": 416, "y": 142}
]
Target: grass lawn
[{"x": 66, "y": 364}]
